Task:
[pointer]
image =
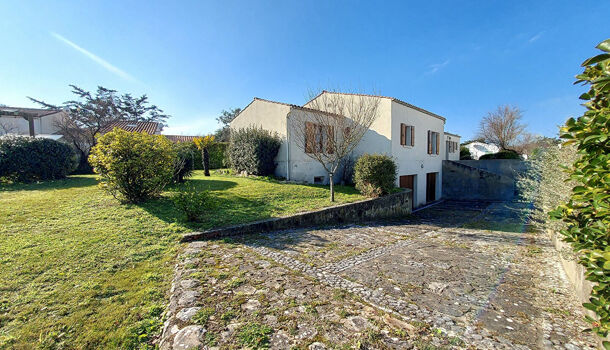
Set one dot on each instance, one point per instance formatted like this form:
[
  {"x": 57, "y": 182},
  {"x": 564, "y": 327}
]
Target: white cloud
[
  {"x": 535, "y": 37},
  {"x": 109, "y": 67},
  {"x": 437, "y": 66}
]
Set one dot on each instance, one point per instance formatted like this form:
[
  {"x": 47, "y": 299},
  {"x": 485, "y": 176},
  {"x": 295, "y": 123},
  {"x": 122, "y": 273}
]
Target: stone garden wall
[
  {"x": 465, "y": 182},
  {"x": 392, "y": 205}
]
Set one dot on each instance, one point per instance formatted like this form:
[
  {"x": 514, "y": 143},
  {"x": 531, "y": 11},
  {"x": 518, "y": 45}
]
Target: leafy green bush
[
  {"x": 253, "y": 150},
  {"x": 254, "y": 335},
  {"x": 218, "y": 156},
  {"x": 587, "y": 212},
  {"x": 375, "y": 174},
  {"x": 25, "y": 159},
  {"x": 505, "y": 154},
  {"x": 465, "y": 153},
  {"x": 184, "y": 163},
  {"x": 136, "y": 166},
  {"x": 193, "y": 203}
]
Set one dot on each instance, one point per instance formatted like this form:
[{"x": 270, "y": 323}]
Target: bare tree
[
  {"x": 330, "y": 127},
  {"x": 6, "y": 127},
  {"x": 502, "y": 127}
]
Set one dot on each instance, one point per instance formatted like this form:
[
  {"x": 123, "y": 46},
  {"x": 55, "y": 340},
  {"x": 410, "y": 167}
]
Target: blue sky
[{"x": 459, "y": 59}]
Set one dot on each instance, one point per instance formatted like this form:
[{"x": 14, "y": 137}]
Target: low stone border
[{"x": 392, "y": 205}]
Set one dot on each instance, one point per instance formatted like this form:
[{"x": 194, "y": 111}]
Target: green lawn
[{"x": 80, "y": 270}]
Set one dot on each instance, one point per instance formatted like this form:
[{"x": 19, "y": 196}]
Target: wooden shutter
[
  {"x": 330, "y": 139},
  {"x": 438, "y": 142},
  {"x": 412, "y": 136},
  {"x": 403, "y": 134},
  {"x": 310, "y": 137},
  {"x": 429, "y": 142}
]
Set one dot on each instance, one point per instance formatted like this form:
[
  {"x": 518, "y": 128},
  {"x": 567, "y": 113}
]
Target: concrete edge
[{"x": 391, "y": 205}]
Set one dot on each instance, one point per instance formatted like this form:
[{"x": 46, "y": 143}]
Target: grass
[{"x": 78, "y": 269}]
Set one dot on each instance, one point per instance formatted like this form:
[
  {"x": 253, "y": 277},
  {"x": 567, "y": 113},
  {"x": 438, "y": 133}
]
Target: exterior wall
[
  {"x": 463, "y": 182},
  {"x": 269, "y": 116},
  {"x": 416, "y": 160},
  {"x": 506, "y": 167},
  {"x": 43, "y": 125},
  {"x": 455, "y": 155}
]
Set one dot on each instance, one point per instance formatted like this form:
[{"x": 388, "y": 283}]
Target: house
[
  {"x": 478, "y": 148},
  {"x": 411, "y": 135},
  {"x": 31, "y": 122}
]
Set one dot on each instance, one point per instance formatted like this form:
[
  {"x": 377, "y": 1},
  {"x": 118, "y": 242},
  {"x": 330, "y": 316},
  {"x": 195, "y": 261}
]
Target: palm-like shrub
[
  {"x": 184, "y": 163},
  {"x": 375, "y": 174},
  {"x": 133, "y": 166},
  {"x": 26, "y": 159}
]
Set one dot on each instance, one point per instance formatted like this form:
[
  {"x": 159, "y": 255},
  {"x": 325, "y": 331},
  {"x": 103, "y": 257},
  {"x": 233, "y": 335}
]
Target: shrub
[
  {"x": 253, "y": 150},
  {"x": 587, "y": 212},
  {"x": 192, "y": 203},
  {"x": 136, "y": 166},
  {"x": 505, "y": 154},
  {"x": 465, "y": 153},
  {"x": 184, "y": 162},
  {"x": 25, "y": 159},
  {"x": 375, "y": 174}
]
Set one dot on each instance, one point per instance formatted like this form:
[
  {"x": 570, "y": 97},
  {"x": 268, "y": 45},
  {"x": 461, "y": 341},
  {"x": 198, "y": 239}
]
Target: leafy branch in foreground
[{"x": 587, "y": 212}]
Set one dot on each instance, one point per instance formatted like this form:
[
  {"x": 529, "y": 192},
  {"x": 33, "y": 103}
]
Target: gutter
[{"x": 287, "y": 148}]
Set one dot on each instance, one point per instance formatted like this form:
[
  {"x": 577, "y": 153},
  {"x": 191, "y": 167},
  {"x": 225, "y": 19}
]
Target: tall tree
[
  {"x": 90, "y": 112},
  {"x": 502, "y": 127},
  {"x": 225, "y": 118},
  {"x": 331, "y": 127}
]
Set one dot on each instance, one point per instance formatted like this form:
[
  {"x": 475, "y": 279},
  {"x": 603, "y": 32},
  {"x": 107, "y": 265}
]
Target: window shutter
[
  {"x": 403, "y": 134},
  {"x": 412, "y": 136},
  {"x": 429, "y": 143},
  {"x": 310, "y": 136},
  {"x": 438, "y": 139},
  {"x": 330, "y": 139}
]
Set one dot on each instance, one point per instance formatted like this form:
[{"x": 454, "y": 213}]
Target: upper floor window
[
  {"x": 433, "y": 142},
  {"x": 452, "y": 146},
  {"x": 319, "y": 138},
  {"x": 407, "y": 135}
]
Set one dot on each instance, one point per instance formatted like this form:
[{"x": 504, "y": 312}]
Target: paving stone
[{"x": 190, "y": 337}]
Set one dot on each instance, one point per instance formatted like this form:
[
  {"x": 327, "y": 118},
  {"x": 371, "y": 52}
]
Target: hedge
[
  {"x": 506, "y": 154},
  {"x": 253, "y": 150},
  {"x": 26, "y": 159}
]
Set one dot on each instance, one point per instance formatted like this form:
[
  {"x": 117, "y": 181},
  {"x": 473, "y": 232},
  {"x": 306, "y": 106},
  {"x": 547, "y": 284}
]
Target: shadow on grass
[
  {"x": 70, "y": 182},
  {"x": 227, "y": 209}
]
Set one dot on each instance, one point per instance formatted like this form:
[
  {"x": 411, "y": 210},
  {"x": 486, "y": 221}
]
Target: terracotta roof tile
[
  {"x": 147, "y": 127},
  {"x": 180, "y": 138}
]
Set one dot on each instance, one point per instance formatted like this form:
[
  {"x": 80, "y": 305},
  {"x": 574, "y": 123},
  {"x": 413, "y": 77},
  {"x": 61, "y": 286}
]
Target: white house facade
[
  {"x": 477, "y": 149},
  {"x": 412, "y": 136}
]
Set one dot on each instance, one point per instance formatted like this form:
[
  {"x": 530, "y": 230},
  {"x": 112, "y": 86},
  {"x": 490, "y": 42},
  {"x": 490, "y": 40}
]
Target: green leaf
[
  {"x": 596, "y": 59},
  {"x": 604, "y": 45}
]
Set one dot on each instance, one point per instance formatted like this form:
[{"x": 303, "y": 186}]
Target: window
[
  {"x": 452, "y": 146},
  {"x": 407, "y": 135},
  {"x": 433, "y": 142},
  {"x": 319, "y": 138}
]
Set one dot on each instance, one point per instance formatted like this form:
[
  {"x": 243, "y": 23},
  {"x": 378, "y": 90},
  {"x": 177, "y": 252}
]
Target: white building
[
  {"x": 30, "y": 122},
  {"x": 411, "y": 135},
  {"x": 477, "y": 149}
]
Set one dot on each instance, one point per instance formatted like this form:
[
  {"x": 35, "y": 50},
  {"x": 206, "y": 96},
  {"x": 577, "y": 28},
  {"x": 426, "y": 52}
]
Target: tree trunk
[
  {"x": 332, "y": 187},
  {"x": 206, "y": 161}
]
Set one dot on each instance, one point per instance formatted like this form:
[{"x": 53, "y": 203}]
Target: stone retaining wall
[
  {"x": 464, "y": 182},
  {"x": 392, "y": 205}
]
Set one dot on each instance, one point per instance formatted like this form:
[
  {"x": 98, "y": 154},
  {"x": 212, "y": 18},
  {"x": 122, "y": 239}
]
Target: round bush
[
  {"x": 375, "y": 174},
  {"x": 136, "y": 166},
  {"x": 26, "y": 159}
]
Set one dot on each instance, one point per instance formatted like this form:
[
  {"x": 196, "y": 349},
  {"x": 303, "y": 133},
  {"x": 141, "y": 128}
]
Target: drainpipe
[{"x": 287, "y": 148}]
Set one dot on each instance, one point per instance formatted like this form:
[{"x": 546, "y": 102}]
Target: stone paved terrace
[{"x": 455, "y": 275}]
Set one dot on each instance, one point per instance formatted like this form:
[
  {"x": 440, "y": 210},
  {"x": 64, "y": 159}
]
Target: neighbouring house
[
  {"x": 411, "y": 135},
  {"x": 34, "y": 122},
  {"x": 152, "y": 128},
  {"x": 478, "y": 148},
  {"x": 180, "y": 138}
]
